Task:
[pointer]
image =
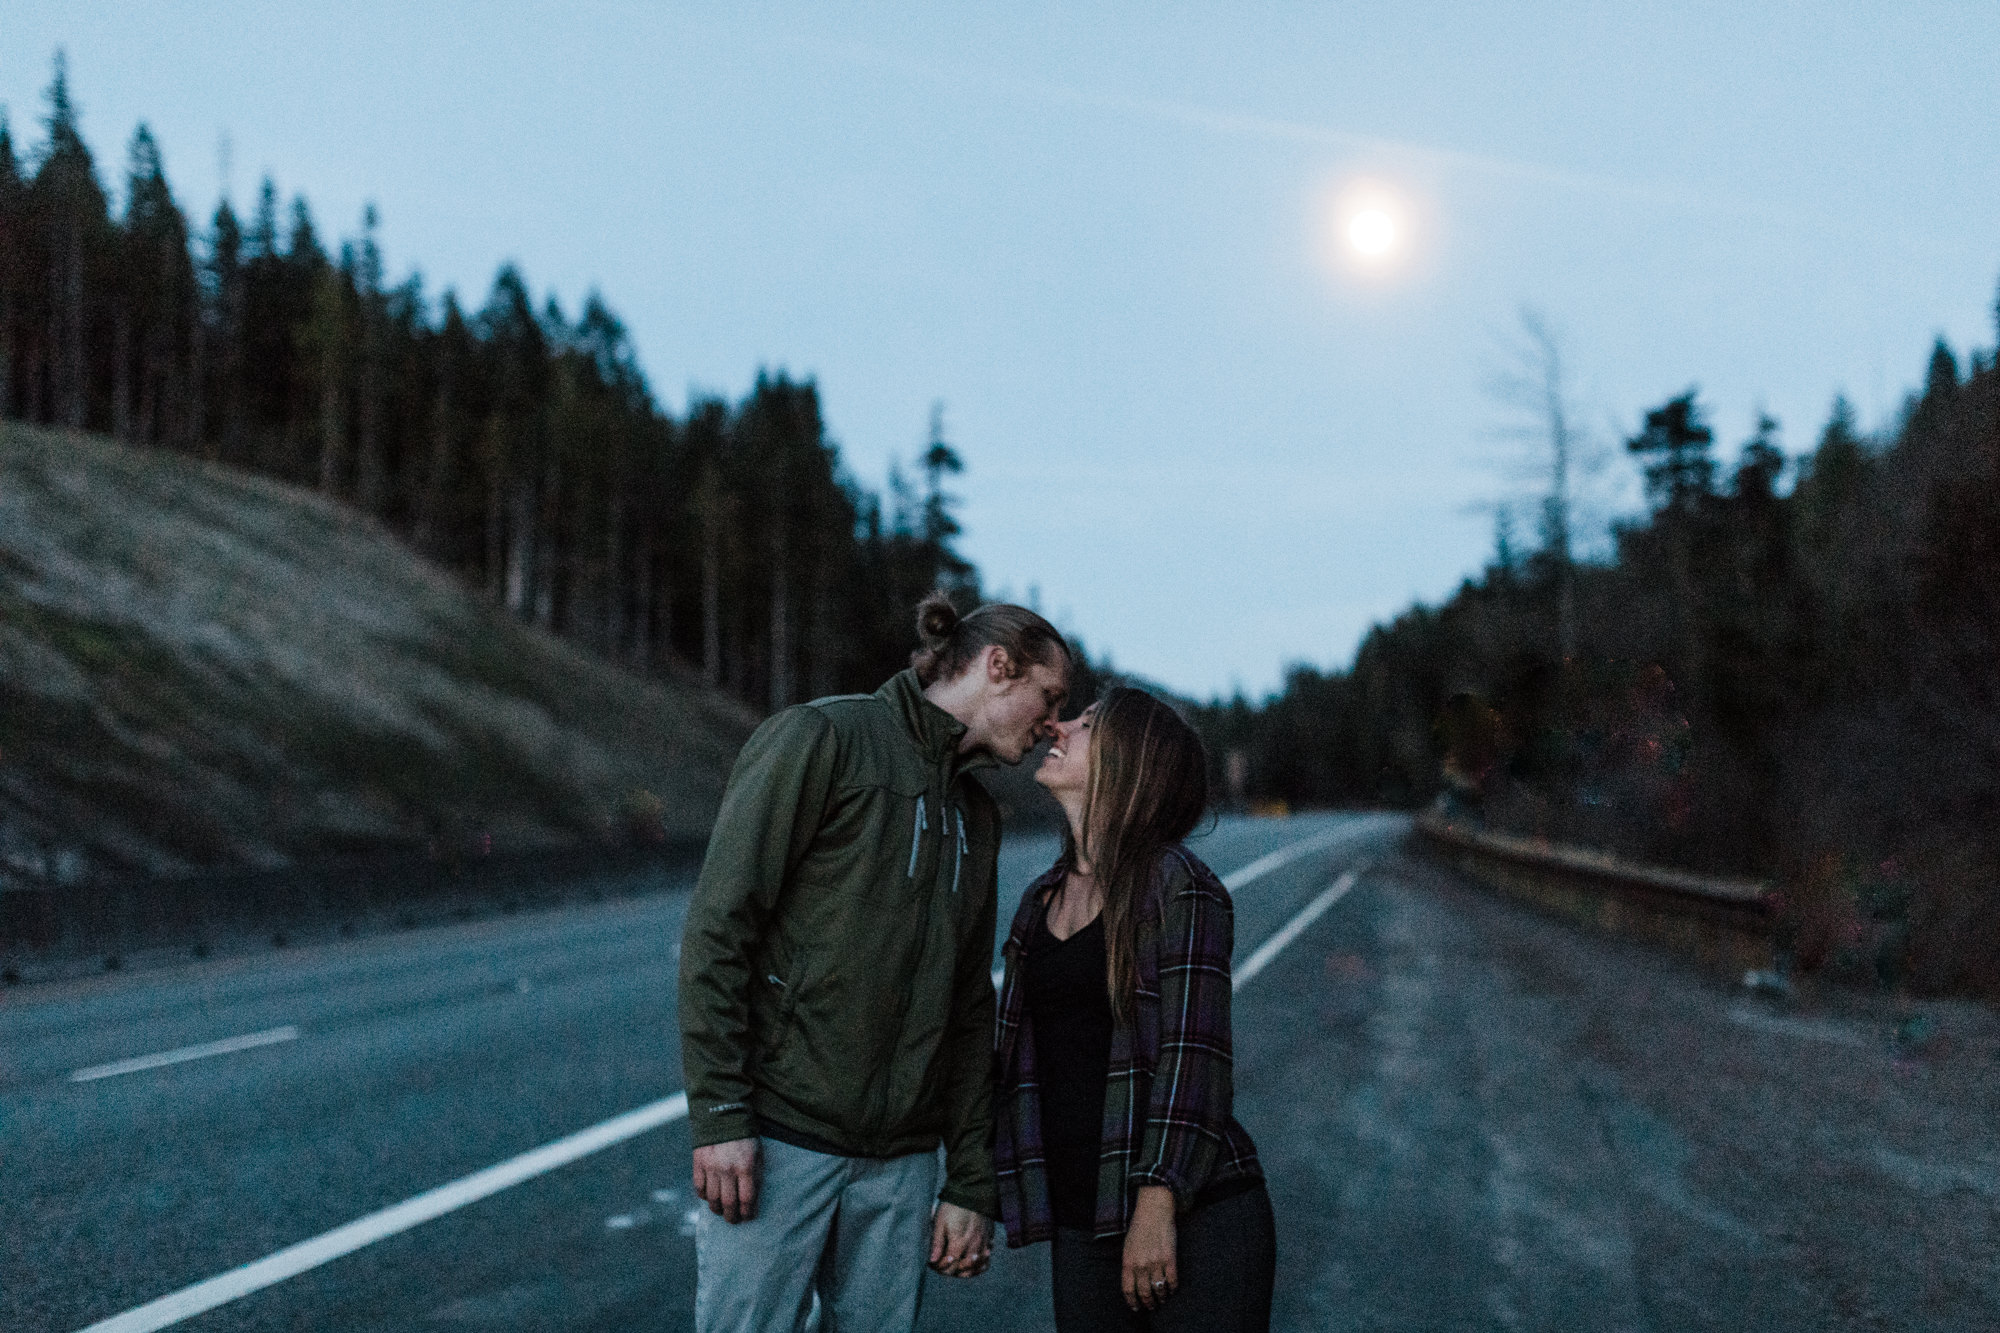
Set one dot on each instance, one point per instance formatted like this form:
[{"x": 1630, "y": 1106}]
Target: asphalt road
[{"x": 1472, "y": 1117}]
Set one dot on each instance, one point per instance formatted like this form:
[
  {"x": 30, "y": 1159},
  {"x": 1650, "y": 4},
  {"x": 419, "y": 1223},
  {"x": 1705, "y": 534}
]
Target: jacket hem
[{"x": 984, "y": 1202}]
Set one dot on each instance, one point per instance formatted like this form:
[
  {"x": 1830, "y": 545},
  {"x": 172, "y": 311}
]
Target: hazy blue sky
[{"x": 1103, "y": 235}]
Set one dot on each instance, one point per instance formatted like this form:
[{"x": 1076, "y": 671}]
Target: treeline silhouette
[
  {"x": 1790, "y": 670},
  {"x": 513, "y": 444}
]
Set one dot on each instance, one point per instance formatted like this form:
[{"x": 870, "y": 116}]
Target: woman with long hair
[{"x": 1114, "y": 1138}]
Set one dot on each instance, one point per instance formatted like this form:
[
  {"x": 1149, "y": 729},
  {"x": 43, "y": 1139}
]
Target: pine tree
[
  {"x": 13, "y": 219},
  {"x": 452, "y": 359},
  {"x": 713, "y": 512},
  {"x": 620, "y": 401},
  {"x": 1676, "y": 439},
  {"x": 270, "y": 382},
  {"x": 1680, "y": 476},
  {"x": 1757, "y": 471},
  {"x": 223, "y": 290},
  {"x": 68, "y": 210},
  {"x": 370, "y": 483},
  {"x": 323, "y": 343},
  {"x": 940, "y": 525},
  {"x": 519, "y": 372},
  {"x": 158, "y": 305}
]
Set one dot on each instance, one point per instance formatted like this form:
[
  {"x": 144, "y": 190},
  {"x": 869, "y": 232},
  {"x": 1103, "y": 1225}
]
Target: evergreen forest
[
  {"x": 516, "y": 444},
  {"x": 1787, "y": 669}
]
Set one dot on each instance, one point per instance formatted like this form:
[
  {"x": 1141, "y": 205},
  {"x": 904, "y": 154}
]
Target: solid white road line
[
  {"x": 248, "y": 1041},
  {"x": 1284, "y": 856},
  {"x": 296, "y": 1259},
  {"x": 1270, "y": 948}
]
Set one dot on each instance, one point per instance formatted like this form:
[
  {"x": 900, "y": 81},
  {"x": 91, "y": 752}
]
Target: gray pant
[{"x": 856, "y": 1231}]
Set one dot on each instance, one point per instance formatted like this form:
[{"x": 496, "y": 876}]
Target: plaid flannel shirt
[{"x": 1167, "y": 1098}]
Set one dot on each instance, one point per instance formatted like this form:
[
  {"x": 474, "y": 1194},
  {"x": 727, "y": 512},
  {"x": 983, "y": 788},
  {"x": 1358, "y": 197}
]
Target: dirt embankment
[{"x": 200, "y": 668}]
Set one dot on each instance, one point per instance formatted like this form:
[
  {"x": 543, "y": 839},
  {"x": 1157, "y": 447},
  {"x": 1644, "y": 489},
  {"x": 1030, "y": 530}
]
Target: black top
[{"x": 1069, "y": 1012}]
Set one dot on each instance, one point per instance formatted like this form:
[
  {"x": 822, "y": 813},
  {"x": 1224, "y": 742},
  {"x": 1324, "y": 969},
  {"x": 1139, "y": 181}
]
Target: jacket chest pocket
[
  {"x": 779, "y": 975},
  {"x": 937, "y": 857},
  {"x": 955, "y": 869},
  {"x": 921, "y": 819},
  {"x": 937, "y": 873}
]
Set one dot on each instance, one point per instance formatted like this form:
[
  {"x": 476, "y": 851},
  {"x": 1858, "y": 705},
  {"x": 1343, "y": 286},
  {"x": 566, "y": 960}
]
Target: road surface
[{"x": 1472, "y": 1116}]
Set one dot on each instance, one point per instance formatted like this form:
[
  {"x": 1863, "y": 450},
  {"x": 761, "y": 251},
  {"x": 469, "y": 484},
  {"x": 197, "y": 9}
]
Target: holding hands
[{"x": 961, "y": 1241}]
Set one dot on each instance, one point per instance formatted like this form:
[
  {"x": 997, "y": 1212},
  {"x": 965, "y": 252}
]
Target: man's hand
[
  {"x": 725, "y": 1176},
  {"x": 1150, "y": 1271},
  {"x": 961, "y": 1241}
]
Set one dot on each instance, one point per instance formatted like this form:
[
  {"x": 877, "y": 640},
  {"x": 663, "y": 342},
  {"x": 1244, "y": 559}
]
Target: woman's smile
[{"x": 1066, "y": 767}]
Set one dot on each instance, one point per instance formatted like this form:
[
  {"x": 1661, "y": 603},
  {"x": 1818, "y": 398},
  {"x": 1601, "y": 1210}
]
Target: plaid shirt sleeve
[
  {"x": 1017, "y": 1122},
  {"x": 1188, "y": 1113}
]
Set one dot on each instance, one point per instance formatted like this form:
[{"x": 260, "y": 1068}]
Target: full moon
[
  {"x": 1372, "y": 233},
  {"x": 1370, "y": 230}
]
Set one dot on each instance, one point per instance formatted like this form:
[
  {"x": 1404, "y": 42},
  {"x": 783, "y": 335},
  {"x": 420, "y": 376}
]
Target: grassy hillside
[{"x": 204, "y": 668}]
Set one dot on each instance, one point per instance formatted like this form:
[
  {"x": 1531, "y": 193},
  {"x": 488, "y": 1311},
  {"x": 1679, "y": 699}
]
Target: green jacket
[{"x": 835, "y": 963}]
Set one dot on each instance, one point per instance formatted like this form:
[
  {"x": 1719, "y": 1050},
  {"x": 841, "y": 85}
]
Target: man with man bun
[{"x": 836, "y": 1006}]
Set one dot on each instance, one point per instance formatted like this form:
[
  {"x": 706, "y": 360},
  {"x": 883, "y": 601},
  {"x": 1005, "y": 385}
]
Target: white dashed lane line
[{"x": 227, "y": 1046}]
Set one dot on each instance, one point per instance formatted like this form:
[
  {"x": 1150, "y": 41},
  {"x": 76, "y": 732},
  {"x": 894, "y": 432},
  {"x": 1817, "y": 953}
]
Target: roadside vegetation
[
  {"x": 205, "y": 669},
  {"x": 1786, "y": 669}
]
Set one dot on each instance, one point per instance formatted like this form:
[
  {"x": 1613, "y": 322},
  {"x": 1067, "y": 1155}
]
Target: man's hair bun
[
  {"x": 937, "y": 620},
  {"x": 950, "y": 642}
]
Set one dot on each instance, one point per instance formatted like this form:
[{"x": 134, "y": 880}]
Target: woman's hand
[{"x": 1150, "y": 1274}]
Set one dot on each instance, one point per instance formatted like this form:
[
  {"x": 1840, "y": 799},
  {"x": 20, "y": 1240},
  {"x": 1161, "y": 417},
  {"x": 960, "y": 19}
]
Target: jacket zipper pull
[
  {"x": 917, "y": 836},
  {"x": 958, "y": 861}
]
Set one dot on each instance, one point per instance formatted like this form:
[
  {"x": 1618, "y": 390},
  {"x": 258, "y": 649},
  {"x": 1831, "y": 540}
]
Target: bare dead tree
[{"x": 1533, "y": 385}]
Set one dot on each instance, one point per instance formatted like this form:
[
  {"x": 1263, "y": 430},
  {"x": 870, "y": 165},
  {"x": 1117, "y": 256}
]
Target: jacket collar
[{"x": 933, "y": 731}]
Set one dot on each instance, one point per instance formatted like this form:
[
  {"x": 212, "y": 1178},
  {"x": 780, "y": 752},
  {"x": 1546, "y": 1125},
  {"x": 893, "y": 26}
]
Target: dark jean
[{"x": 1225, "y": 1255}]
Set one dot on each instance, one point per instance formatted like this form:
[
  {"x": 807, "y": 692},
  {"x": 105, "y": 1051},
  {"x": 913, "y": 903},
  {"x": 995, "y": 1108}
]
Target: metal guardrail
[{"x": 1729, "y": 921}]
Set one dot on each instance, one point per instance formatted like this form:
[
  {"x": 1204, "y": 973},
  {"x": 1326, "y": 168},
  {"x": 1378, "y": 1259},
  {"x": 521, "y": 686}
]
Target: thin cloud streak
[{"x": 1275, "y": 129}]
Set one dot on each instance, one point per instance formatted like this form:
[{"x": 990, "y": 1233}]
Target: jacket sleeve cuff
[
  {"x": 721, "y": 1124},
  {"x": 1182, "y": 1191},
  {"x": 983, "y": 1199}
]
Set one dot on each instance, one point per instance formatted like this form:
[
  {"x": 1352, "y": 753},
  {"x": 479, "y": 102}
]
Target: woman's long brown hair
[{"x": 1147, "y": 788}]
